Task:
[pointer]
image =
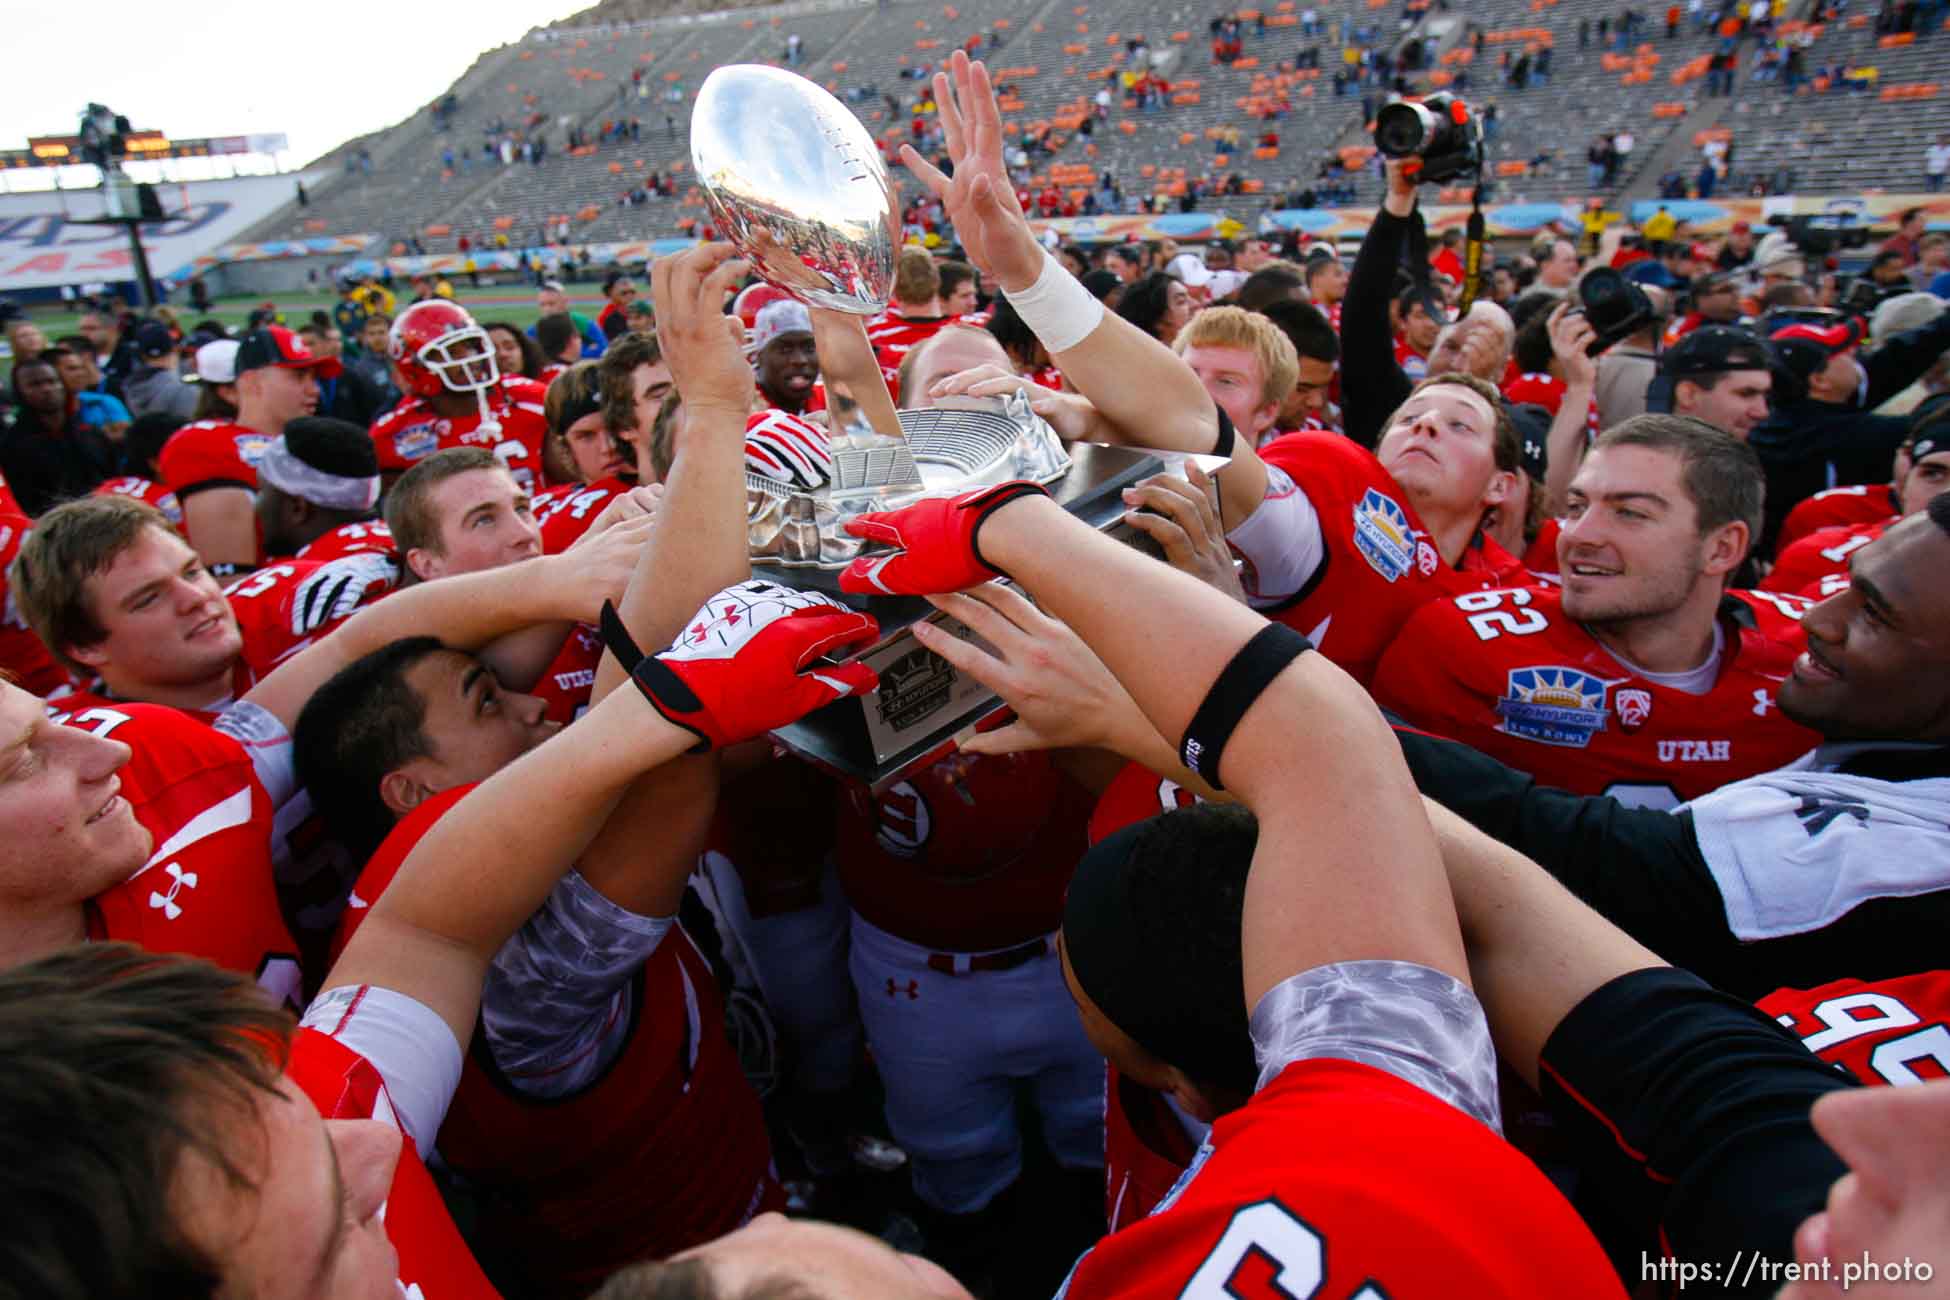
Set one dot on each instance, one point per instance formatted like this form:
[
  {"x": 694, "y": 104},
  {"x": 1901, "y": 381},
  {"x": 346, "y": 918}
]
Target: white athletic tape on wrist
[{"x": 1057, "y": 308}]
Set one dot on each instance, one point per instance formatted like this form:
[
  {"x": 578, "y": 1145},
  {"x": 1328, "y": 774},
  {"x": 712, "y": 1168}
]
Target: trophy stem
[{"x": 846, "y": 357}]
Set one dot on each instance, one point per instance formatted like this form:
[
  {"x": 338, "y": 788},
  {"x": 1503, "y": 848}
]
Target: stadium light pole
[{"x": 124, "y": 203}]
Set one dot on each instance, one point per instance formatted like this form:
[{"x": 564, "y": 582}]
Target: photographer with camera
[
  {"x": 1426, "y": 143},
  {"x": 1823, "y": 432}
]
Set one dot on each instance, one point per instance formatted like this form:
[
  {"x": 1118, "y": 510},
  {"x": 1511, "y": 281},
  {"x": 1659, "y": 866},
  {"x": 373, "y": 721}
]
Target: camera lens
[{"x": 1401, "y": 129}]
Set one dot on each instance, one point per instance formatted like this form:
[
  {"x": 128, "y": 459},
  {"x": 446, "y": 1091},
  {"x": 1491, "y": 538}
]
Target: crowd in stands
[{"x": 1474, "y": 849}]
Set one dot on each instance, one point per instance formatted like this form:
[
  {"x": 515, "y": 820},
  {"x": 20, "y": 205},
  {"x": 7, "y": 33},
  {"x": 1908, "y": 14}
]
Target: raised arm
[
  {"x": 1139, "y": 387},
  {"x": 700, "y": 543},
  {"x": 1373, "y": 383},
  {"x": 484, "y": 867}
]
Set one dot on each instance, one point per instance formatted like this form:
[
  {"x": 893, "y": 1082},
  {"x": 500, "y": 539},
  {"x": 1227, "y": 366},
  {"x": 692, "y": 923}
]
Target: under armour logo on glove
[
  {"x": 734, "y": 672},
  {"x": 934, "y": 541},
  {"x": 340, "y": 587},
  {"x": 781, "y": 446}
]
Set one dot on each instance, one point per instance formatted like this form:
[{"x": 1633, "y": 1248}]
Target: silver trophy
[{"x": 797, "y": 184}]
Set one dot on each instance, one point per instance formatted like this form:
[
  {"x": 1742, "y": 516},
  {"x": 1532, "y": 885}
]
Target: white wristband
[{"x": 1057, "y": 308}]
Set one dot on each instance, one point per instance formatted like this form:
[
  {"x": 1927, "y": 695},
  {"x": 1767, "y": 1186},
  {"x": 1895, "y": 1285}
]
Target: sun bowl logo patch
[
  {"x": 1383, "y": 535},
  {"x": 1554, "y": 706},
  {"x": 251, "y": 447},
  {"x": 420, "y": 440}
]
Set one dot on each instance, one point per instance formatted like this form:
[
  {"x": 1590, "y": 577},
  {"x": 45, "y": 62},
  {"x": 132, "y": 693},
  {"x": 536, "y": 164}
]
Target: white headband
[{"x": 293, "y": 477}]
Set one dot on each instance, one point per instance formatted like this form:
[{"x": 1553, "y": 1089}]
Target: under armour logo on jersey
[
  {"x": 1762, "y": 701},
  {"x": 179, "y": 880},
  {"x": 912, "y": 989},
  {"x": 1818, "y": 814}
]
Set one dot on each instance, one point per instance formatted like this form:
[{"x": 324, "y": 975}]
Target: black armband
[{"x": 1258, "y": 662}]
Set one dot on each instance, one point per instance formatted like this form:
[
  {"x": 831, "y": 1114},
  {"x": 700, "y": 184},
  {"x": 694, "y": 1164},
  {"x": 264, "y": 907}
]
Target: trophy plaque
[{"x": 798, "y": 186}]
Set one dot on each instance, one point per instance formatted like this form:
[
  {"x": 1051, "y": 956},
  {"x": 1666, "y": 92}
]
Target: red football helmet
[
  {"x": 438, "y": 348},
  {"x": 752, "y": 299}
]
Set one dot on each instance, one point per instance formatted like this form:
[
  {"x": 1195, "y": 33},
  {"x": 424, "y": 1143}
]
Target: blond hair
[{"x": 1235, "y": 327}]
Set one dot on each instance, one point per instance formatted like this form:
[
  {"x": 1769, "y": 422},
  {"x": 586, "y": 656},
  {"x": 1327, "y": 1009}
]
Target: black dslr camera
[
  {"x": 1616, "y": 307},
  {"x": 1439, "y": 130}
]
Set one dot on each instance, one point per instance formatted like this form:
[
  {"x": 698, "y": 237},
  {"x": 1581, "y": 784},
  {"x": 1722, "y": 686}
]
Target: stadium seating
[{"x": 1052, "y": 56}]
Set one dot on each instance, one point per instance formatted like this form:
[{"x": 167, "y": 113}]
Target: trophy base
[{"x": 924, "y": 705}]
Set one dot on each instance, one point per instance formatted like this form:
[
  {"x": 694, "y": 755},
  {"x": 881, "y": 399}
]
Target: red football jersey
[
  {"x": 1546, "y": 391},
  {"x": 894, "y": 336},
  {"x": 368, "y": 536},
  {"x": 412, "y": 431},
  {"x": 969, "y": 855},
  {"x": 565, "y": 513},
  {"x": 1507, "y": 672},
  {"x": 1888, "y": 1031},
  {"x": 1146, "y": 1150},
  {"x": 1381, "y": 565},
  {"x": 207, "y": 888},
  {"x": 1806, "y": 561},
  {"x": 667, "y": 1150},
  {"x": 8, "y": 504},
  {"x": 1342, "y": 1180},
  {"x": 1540, "y": 557},
  {"x": 284, "y": 607},
  {"x": 212, "y": 452},
  {"x": 433, "y": 1260},
  {"x": 571, "y": 676},
  {"x": 147, "y": 490},
  {"x": 1413, "y": 363},
  {"x": 1860, "y": 503},
  {"x": 22, "y": 653}
]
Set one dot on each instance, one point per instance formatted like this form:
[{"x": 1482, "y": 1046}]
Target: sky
[{"x": 320, "y": 74}]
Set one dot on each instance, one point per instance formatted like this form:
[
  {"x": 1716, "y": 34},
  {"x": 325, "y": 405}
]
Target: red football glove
[
  {"x": 935, "y": 543},
  {"x": 734, "y": 673}
]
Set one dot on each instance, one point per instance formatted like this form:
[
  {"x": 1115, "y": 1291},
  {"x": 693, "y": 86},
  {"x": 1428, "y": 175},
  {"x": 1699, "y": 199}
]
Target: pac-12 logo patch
[
  {"x": 1383, "y": 535},
  {"x": 1634, "y": 708},
  {"x": 1554, "y": 706}
]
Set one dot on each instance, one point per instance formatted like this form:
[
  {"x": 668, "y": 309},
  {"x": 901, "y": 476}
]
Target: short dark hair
[
  {"x": 409, "y": 513},
  {"x": 953, "y": 275},
  {"x": 337, "y": 447},
  {"x": 553, "y": 333},
  {"x": 1884, "y": 257},
  {"x": 363, "y": 723},
  {"x": 1721, "y": 473},
  {"x": 121, "y": 1064},
  {"x": 146, "y": 436},
  {"x": 1012, "y": 332},
  {"x": 1908, "y": 215},
  {"x": 1532, "y": 348},
  {"x": 613, "y": 278},
  {"x": 1146, "y": 300},
  {"x": 1304, "y": 324},
  {"x": 1268, "y": 285}
]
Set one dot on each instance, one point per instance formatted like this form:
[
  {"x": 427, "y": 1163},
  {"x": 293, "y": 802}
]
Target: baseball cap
[
  {"x": 153, "y": 339},
  {"x": 274, "y": 345},
  {"x": 1431, "y": 301},
  {"x": 1713, "y": 282},
  {"x": 1804, "y": 349},
  {"x": 216, "y": 363},
  {"x": 786, "y": 316},
  {"x": 1714, "y": 350},
  {"x": 1743, "y": 228},
  {"x": 1533, "y": 425},
  {"x": 1190, "y": 270}
]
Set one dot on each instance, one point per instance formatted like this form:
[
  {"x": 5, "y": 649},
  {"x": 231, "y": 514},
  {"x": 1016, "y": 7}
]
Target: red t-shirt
[
  {"x": 433, "y": 1260},
  {"x": 207, "y": 889},
  {"x": 368, "y": 536},
  {"x": 1859, "y": 503},
  {"x": 412, "y": 431},
  {"x": 1506, "y": 672},
  {"x": 212, "y": 453},
  {"x": 1339, "y": 1179},
  {"x": 1888, "y": 1031},
  {"x": 971, "y": 854},
  {"x": 1821, "y": 554},
  {"x": 1381, "y": 564},
  {"x": 145, "y": 490},
  {"x": 667, "y": 1150},
  {"x": 284, "y": 607}
]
